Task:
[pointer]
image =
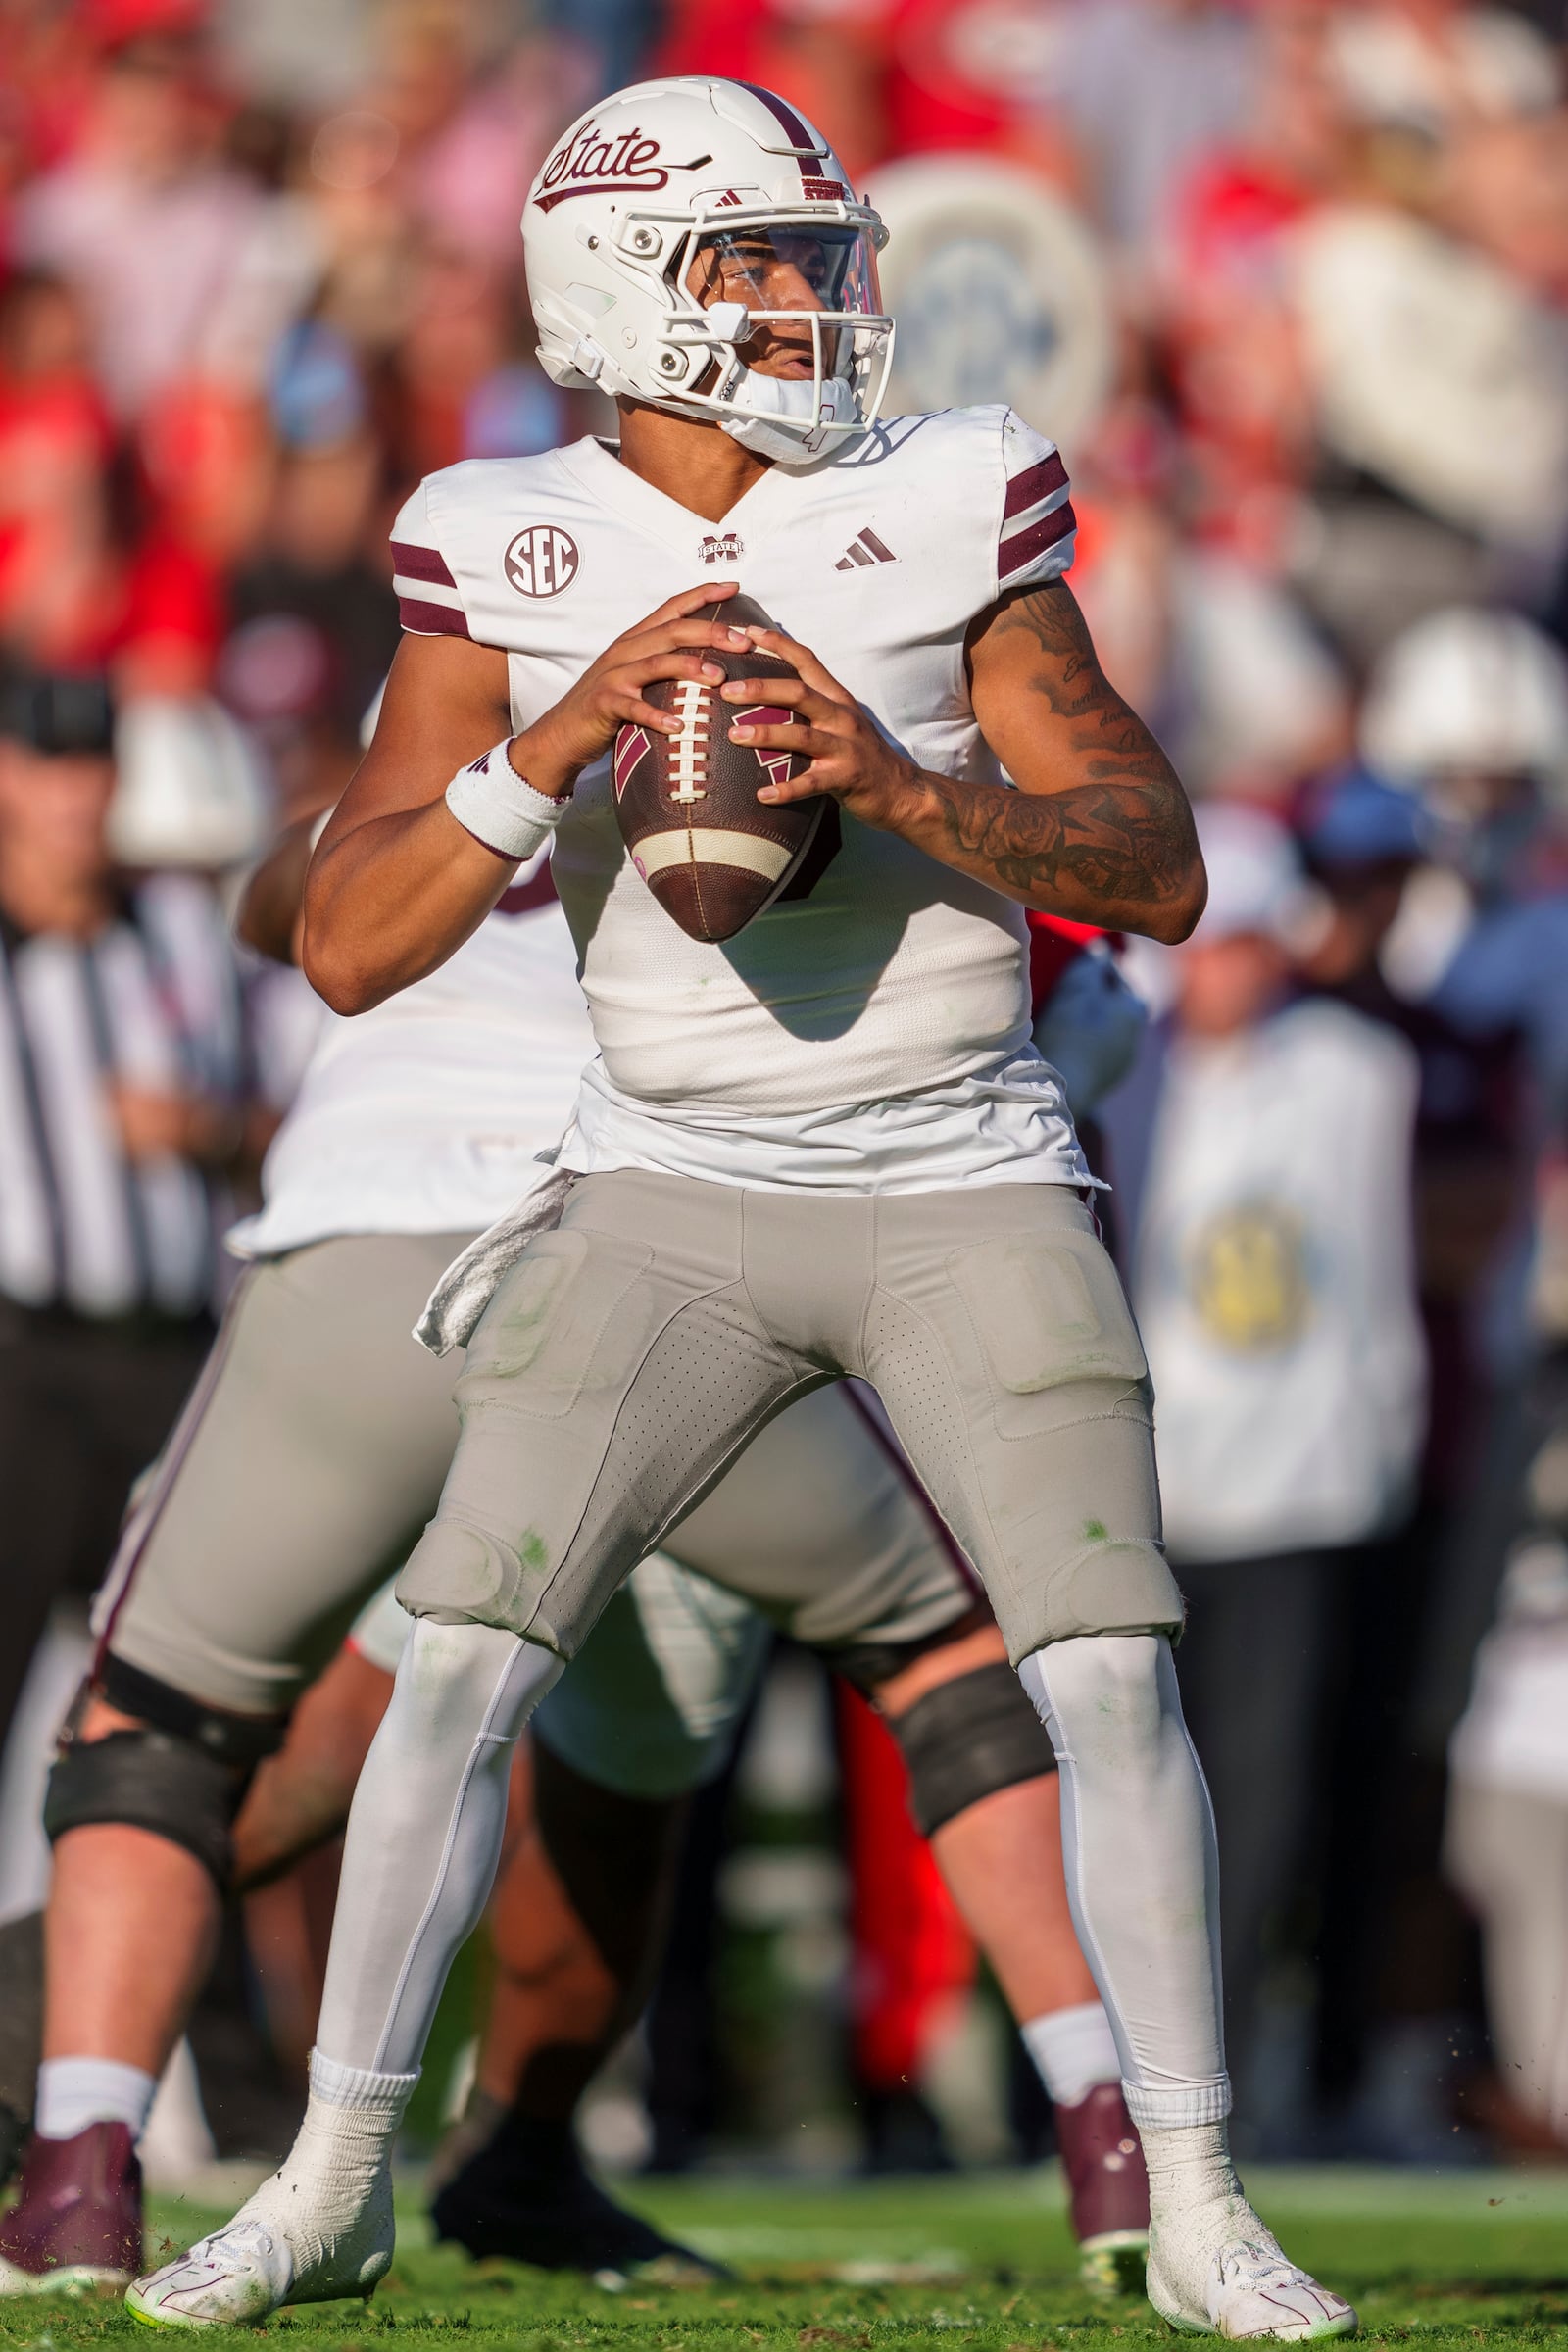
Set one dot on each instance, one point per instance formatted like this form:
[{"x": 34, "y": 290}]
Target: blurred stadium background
[{"x": 1289, "y": 283}]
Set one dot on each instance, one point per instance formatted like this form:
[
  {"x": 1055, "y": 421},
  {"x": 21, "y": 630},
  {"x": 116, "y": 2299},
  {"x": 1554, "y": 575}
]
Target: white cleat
[
  {"x": 1254, "y": 2294},
  {"x": 266, "y": 2257}
]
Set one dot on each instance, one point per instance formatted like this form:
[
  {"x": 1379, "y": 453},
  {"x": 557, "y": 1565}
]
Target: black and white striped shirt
[{"x": 153, "y": 1001}]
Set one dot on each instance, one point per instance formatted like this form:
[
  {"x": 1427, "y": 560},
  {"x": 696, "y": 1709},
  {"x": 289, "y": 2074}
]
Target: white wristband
[{"x": 491, "y": 801}]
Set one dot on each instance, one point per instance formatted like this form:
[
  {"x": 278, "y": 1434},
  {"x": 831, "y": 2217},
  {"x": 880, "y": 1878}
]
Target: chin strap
[{"x": 791, "y": 419}]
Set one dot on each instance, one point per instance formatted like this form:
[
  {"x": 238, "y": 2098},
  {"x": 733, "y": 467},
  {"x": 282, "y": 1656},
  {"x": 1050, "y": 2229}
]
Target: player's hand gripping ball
[{"x": 712, "y": 853}]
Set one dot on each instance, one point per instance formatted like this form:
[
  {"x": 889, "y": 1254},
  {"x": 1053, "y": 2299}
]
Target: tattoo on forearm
[
  {"x": 1121, "y": 837},
  {"x": 1116, "y": 848}
]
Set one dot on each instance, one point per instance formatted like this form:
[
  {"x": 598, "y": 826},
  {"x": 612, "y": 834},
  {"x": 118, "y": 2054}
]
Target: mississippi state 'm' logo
[
  {"x": 725, "y": 547},
  {"x": 542, "y": 560},
  {"x": 775, "y": 764}
]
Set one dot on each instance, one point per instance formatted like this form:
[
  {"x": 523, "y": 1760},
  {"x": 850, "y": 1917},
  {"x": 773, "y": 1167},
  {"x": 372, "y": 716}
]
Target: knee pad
[
  {"x": 181, "y": 1773},
  {"x": 967, "y": 1738},
  {"x": 148, "y": 1780}
]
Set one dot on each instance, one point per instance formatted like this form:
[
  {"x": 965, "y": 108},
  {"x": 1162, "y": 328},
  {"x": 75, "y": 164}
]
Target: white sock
[
  {"x": 1073, "y": 2050},
  {"x": 73, "y": 2093},
  {"x": 1193, "y": 2189},
  {"x": 1212, "y": 2264},
  {"x": 323, "y": 2224},
  {"x": 351, "y": 2117},
  {"x": 336, "y": 2178}
]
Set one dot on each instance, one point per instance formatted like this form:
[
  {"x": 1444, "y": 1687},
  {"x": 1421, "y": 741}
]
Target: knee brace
[
  {"x": 182, "y": 1773},
  {"x": 967, "y": 1738}
]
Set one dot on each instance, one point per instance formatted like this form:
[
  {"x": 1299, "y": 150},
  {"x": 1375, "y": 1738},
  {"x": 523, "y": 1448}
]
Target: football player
[
  {"x": 310, "y": 1456},
  {"x": 824, "y": 1148}
]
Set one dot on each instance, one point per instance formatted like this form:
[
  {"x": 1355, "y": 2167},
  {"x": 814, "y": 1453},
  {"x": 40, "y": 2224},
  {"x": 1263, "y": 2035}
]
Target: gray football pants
[
  {"x": 624, "y": 1361},
  {"x": 312, "y": 1451},
  {"x": 632, "y": 1353}
]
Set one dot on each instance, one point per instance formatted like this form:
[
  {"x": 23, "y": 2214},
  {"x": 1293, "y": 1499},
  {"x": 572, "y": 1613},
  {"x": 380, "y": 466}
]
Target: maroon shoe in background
[
  {"x": 1107, "y": 2190},
  {"x": 77, "y": 2222}
]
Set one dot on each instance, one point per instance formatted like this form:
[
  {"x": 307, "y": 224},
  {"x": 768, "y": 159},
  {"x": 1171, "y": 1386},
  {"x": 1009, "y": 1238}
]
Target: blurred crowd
[{"x": 1290, "y": 284}]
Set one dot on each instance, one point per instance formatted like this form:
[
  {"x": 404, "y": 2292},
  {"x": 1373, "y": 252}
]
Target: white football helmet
[
  {"x": 1469, "y": 690},
  {"x": 697, "y": 178},
  {"x": 189, "y": 788}
]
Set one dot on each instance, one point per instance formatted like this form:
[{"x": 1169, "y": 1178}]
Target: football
[{"x": 712, "y": 853}]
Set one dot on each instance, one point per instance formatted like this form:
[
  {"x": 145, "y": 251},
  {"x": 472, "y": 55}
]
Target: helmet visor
[{"x": 790, "y": 265}]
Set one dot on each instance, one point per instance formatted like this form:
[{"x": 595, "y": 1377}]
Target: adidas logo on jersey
[{"x": 868, "y": 548}]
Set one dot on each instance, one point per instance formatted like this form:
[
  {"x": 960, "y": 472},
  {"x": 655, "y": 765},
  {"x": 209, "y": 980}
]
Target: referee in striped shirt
[{"x": 123, "y": 1108}]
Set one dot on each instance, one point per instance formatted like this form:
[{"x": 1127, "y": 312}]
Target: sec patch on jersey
[{"x": 712, "y": 853}]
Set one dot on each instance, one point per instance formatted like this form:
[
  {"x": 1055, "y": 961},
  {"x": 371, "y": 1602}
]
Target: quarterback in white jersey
[
  {"x": 820, "y": 1149},
  {"x": 310, "y": 1456},
  {"x": 892, "y": 963}
]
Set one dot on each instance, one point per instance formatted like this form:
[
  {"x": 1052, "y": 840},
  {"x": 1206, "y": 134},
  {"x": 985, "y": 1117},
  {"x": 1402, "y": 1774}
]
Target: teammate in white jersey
[
  {"x": 821, "y": 1148},
  {"x": 311, "y": 1453}
]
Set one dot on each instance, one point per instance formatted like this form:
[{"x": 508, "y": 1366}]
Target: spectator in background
[
  {"x": 1391, "y": 1952},
  {"x": 122, "y": 1105},
  {"x": 1426, "y": 293},
  {"x": 55, "y": 440},
  {"x": 59, "y": 586},
  {"x": 1470, "y": 709},
  {"x": 312, "y": 618},
  {"x": 1432, "y": 67},
  {"x": 1152, "y": 86},
  {"x": 102, "y": 561},
  {"x": 176, "y": 256},
  {"x": 464, "y": 386},
  {"x": 1262, "y": 1154}
]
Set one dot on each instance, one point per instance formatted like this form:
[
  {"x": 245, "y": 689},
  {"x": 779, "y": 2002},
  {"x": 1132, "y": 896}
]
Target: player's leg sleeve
[
  {"x": 424, "y": 1837},
  {"x": 1142, "y": 1872}
]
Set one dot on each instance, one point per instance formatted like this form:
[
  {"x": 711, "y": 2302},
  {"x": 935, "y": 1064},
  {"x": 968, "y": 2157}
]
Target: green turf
[{"x": 1447, "y": 2260}]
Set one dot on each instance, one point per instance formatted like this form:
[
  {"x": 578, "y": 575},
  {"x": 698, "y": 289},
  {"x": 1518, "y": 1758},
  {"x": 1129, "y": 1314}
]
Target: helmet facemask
[{"x": 797, "y": 294}]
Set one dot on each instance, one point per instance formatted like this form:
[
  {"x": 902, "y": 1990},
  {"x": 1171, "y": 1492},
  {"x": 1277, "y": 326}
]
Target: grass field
[{"x": 1443, "y": 2259}]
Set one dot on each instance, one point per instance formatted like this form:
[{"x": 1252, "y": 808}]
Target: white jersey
[
  {"x": 428, "y": 1114},
  {"x": 876, "y": 1032}
]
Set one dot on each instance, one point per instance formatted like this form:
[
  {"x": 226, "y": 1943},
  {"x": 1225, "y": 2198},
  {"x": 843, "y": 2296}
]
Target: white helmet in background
[
  {"x": 189, "y": 790},
  {"x": 1469, "y": 692},
  {"x": 615, "y": 224}
]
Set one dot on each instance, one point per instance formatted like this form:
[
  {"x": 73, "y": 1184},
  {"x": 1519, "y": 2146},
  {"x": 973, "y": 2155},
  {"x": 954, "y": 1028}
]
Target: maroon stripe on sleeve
[
  {"x": 431, "y": 620},
  {"x": 424, "y": 563},
  {"x": 789, "y": 122},
  {"x": 1014, "y": 554},
  {"x": 1028, "y": 488}
]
